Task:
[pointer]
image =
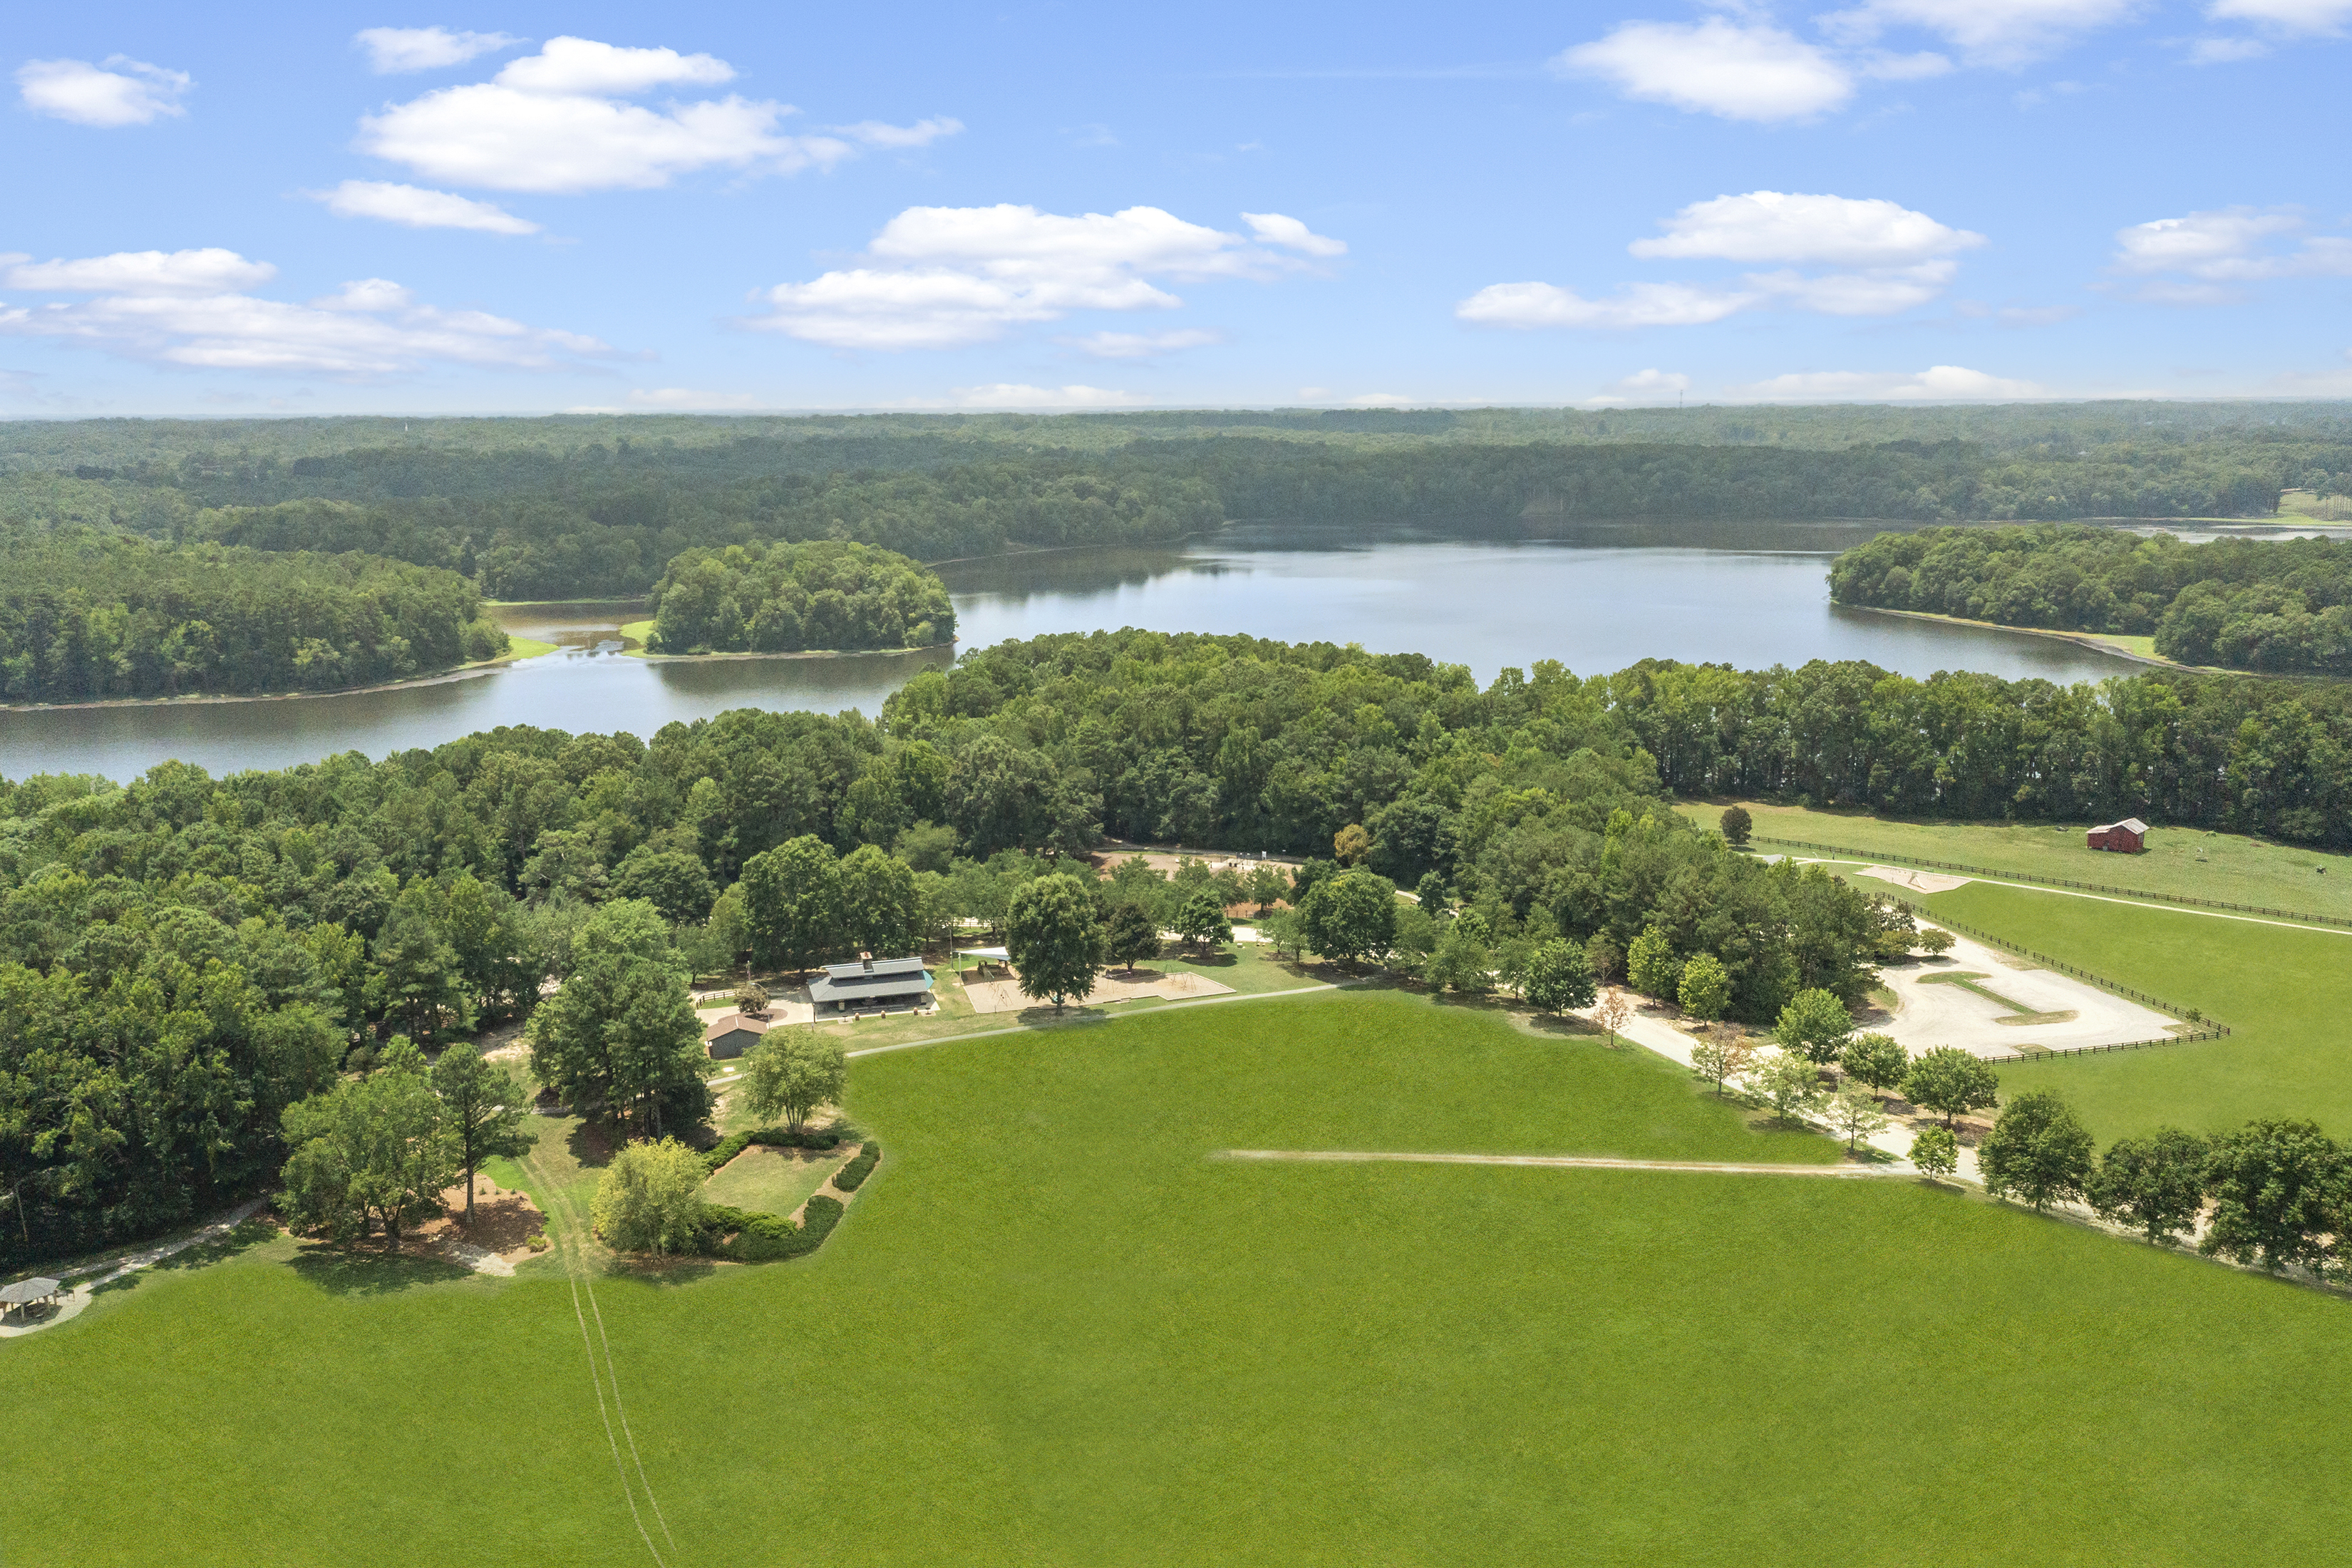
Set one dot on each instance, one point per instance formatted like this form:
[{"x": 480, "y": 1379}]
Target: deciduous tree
[
  {"x": 2280, "y": 1195},
  {"x": 2155, "y": 1184},
  {"x": 649, "y": 1199},
  {"x": 1558, "y": 977},
  {"x": 1650, "y": 966},
  {"x": 1736, "y": 824},
  {"x": 792, "y": 1071},
  {"x": 1201, "y": 919},
  {"x": 1878, "y": 1060},
  {"x": 1704, "y": 989},
  {"x": 2039, "y": 1150},
  {"x": 1055, "y": 942},
  {"x": 1936, "y": 1151},
  {"x": 372, "y": 1150},
  {"x": 1814, "y": 1024},
  {"x": 1793, "y": 1083},
  {"x": 1351, "y": 916},
  {"x": 792, "y": 903},
  {"x": 1855, "y": 1112},
  {"x": 1950, "y": 1080}
]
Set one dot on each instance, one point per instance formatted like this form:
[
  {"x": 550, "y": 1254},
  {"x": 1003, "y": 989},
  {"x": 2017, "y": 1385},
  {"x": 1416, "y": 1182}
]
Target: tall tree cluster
[
  {"x": 827, "y": 593},
  {"x": 2270, "y": 604},
  {"x": 86, "y": 615}
]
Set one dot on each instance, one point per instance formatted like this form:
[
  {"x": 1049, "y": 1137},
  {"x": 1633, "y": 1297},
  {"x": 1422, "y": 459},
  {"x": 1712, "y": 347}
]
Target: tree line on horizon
[{"x": 531, "y": 510}]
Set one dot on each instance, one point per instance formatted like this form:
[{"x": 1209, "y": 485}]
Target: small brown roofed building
[
  {"x": 732, "y": 1034},
  {"x": 2128, "y": 836}
]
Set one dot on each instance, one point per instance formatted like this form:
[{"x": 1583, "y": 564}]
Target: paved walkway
[
  {"x": 1573, "y": 1162},
  {"x": 107, "y": 1271}
]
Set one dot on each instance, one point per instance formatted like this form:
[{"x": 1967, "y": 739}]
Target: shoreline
[
  {"x": 201, "y": 698},
  {"x": 632, "y": 646},
  {"x": 2095, "y": 641}
]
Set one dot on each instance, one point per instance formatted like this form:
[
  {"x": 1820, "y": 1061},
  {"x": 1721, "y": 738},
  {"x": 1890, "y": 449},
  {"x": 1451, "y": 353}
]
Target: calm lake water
[{"x": 1595, "y": 596}]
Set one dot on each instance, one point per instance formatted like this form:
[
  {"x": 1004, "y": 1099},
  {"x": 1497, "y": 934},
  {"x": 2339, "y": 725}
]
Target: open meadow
[
  {"x": 1055, "y": 1330},
  {"x": 2179, "y": 862}
]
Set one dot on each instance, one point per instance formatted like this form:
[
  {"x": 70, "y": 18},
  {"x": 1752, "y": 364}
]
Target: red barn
[{"x": 2128, "y": 836}]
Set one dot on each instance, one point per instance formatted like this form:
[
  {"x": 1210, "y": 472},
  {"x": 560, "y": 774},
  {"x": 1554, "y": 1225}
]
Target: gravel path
[{"x": 1573, "y": 1162}]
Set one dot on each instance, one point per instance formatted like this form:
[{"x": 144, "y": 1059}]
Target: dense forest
[
  {"x": 2270, "y": 604},
  {"x": 183, "y": 957},
  {"x": 597, "y": 507},
  {"x": 787, "y": 597},
  {"x": 85, "y": 616}
]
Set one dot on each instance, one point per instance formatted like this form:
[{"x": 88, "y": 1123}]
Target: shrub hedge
[
  {"x": 850, "y": 1177},
  {"x": 773, "y": 1137},
  {"x": 743, "y": 1236}
]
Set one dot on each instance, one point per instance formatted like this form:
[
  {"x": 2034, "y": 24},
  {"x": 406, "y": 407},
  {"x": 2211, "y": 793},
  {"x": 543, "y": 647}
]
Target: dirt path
[
  {"x": 569, "y": 1231},
  {"x": 1571, "y": 1162},
  {"x": 107, "y": 1270}
]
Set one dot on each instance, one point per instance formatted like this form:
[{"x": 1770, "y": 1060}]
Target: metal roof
[
  {"x": 868, "y": 969},
  {"x": 25, "y": 1290},
  {"x": 726, "y": 1024},
  {"x": 848, "y": 983}
]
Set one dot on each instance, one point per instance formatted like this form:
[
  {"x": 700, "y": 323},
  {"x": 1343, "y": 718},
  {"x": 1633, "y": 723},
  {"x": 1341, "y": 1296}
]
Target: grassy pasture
[
  {"x": 2235, "y": 870},
  {"x": 1052, "y": 1331}
]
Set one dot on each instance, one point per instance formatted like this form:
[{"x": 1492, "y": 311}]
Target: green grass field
[
  {"x": 770, "y": 1181},
  {"x": 1053, "y": 1330},
  {"x": 2234, "y": 870}
]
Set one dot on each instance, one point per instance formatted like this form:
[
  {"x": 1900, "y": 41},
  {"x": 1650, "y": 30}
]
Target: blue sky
[{"x": 531, "y": 208}]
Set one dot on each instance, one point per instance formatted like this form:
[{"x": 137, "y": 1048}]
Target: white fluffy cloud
[
  {"x": 1273, "y": 228},
  {"x": 1526, "y": 305},
  {"x": 394, "y": 50},
  {"x": 1901, "y": 258},
  {"x": 955, "y": 276},
  {"x": 125, "y": 92},
  {"x": 2195, "y": 259},
  {"x": 1881, "y": 291},
  {"x": 186, "y": 308},
  {"x": 1937, "y": 383},
  {"x": 1740, "y": 70},
  {"x": 1014, "y": 395},
  {"x": 2286, "y": 16},
  {"x": 559, "y": 120},
  {"x": 419, "y": 208},
  {"x": 2001, "y": 33},
  {"x": 1140, "y": 346},
  {"x": 1775, "y": 226},
  {"x": 209, "y": 272}
]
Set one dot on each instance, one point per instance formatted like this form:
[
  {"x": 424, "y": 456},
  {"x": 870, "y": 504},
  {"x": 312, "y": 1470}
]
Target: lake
[{"x": 1596, "y": 596}]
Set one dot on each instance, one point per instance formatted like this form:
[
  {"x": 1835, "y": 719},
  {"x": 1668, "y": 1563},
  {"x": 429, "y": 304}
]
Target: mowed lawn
[
  {"x": 2235, "y": 869},
  {"x": 2285, "y": 993},
  {"x": 1053, "y": 1330}
]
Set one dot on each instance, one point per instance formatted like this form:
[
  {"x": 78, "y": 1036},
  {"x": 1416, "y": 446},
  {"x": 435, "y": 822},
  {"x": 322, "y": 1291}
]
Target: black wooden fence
[{"x": 2207, "y": 1029}]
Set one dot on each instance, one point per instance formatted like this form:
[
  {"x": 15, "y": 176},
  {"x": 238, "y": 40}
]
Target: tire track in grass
[{"x": 568, "y": 1239}]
